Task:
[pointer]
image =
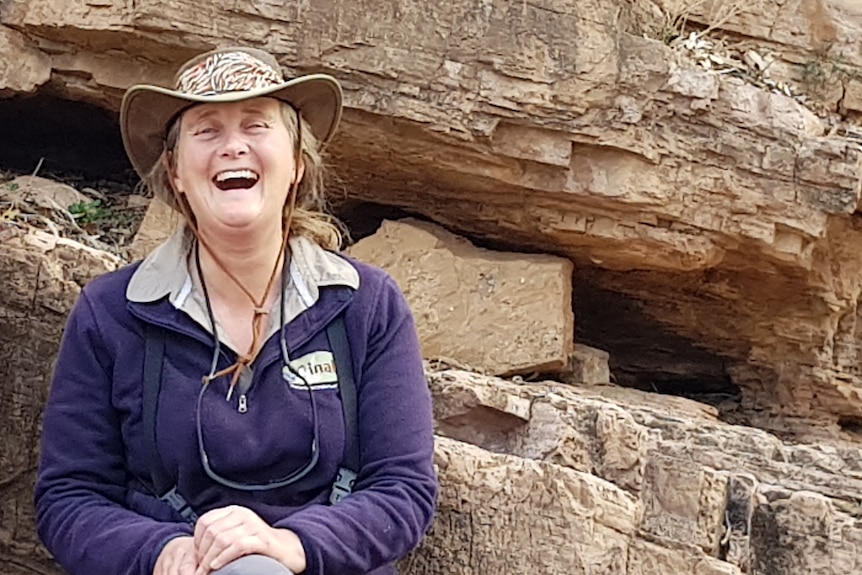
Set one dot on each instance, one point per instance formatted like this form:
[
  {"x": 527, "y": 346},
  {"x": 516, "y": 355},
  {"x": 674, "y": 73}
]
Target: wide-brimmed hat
[{"x": 223, "y": 75}]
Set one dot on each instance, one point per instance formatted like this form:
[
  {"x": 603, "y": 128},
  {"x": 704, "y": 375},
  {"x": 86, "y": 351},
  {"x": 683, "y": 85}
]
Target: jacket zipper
[
  {"x": 242, "y": 405},
  {"x": 242, "y": 400}
]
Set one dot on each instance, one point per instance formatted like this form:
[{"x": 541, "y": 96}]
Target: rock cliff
[
  {"x": 697, "y": 162},
  {"x": 722, "y": 212}
]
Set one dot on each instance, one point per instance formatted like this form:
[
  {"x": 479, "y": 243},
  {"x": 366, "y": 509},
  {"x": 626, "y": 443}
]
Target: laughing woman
[{"x": 245, "y": 401}]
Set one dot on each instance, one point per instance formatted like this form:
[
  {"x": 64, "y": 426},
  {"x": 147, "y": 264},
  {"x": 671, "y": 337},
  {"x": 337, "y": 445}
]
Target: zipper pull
[{"x": 243, "y": 404}]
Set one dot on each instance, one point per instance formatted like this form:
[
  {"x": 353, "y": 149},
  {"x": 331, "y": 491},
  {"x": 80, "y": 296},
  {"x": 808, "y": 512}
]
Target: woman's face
[{"x": 234, "y": 163}]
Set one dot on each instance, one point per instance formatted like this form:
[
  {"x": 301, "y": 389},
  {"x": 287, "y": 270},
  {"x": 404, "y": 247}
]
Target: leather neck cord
[{"x": 258, "y": 322}]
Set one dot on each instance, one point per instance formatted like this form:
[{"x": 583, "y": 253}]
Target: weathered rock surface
[
  {"x": 506, "y": 514},
  {"x": 701, "y": 496},
  {"x": 24, "y": 67},
  {"x": 725, "y": 213},
  {"x": 46, "y": 194},
  {"x": 40, "y": 278},
  {"x": 814, "y": 42},
  {"x": 714, "y": 227},
  {"x": 158, "y": 224},
  {"x": 550, "y": 478},
  {"x": 497, "y": 312},
  {"x": 588, "y": 366}
]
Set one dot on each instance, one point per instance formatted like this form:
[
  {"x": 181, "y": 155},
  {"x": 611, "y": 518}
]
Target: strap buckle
[
  {"x": 343, "y": 485},
  {"x": 180, "y": 505}
]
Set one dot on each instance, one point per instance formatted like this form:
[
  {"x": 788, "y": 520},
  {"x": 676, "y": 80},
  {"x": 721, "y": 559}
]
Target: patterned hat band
[{"x": 227, "y": 72}]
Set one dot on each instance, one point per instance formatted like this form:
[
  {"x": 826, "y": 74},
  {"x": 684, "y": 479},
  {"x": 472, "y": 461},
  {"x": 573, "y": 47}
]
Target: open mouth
[{"x": 235, "y": 179}]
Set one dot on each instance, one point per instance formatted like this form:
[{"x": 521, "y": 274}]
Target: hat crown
[
  {"x": 224, "y": 71},
  {"x": 224, "y": 75}
]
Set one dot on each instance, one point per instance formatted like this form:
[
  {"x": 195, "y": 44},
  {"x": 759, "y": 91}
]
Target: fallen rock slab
[
  {"x": 497, "y": 312},
  {"x": 589, "y": 366}
]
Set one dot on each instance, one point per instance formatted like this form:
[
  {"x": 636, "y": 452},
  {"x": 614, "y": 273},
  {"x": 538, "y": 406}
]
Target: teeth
[{"x": 235, "y": 174}]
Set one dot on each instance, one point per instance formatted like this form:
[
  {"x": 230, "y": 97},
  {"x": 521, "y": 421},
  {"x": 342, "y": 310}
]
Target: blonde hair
[{"x": 310, "y": 217}]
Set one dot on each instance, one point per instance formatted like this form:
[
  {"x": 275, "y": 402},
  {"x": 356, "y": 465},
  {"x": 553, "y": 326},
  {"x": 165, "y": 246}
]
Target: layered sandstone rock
[
  {"x": 714, "y": 228},
  {"x": 497, "y": 312},
  {"x": 25, "y": 67},
  {"x": 535, "y": 477},
  {"x": 725, "y": 214},
  {"x": 811, "y": 44},
  {"x": 40, "y": 278},
  {"x": 551, "y": 523},
  {"x": 572, "y": 473}
]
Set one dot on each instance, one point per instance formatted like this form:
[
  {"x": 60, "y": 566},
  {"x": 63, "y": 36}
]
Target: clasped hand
[{"x": 224, "y": 535}]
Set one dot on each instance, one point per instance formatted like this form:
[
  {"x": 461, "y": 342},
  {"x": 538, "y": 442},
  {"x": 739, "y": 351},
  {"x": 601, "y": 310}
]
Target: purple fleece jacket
[{"x": 94, "y": 514}]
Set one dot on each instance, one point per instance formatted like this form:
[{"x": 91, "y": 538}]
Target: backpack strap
[
  {"x": 166, "y": 490},
  {"x": 343, "y": 485},
  {"x": 162, "y": 486}
]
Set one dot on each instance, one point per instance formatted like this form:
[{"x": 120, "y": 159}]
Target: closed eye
[{"x": 204, "y": 130}]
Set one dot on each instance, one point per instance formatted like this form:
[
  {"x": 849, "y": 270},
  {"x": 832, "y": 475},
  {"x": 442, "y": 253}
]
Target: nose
[{"x": 234, "y": 144}]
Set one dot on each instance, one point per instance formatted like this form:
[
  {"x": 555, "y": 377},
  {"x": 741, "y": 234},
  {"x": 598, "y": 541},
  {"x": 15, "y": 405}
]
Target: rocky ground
[{"x": 104, "y": 215}]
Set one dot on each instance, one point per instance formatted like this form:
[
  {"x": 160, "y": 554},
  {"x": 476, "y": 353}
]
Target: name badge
[{"x": 317, "y": 368}]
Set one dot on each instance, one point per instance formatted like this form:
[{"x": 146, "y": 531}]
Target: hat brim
[{"x": 147, "y": 109}]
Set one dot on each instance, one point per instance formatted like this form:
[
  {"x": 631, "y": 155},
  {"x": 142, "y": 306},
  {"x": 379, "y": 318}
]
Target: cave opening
[
  {"x": 62, "y": 139},
  {"x": 852, "y": 425},
  {"x": 646, "y": 355},
  {"x": 363, "y": 219}
]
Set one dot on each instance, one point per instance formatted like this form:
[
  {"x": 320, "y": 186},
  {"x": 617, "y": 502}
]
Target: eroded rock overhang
[{"x": 726, "y": 212}]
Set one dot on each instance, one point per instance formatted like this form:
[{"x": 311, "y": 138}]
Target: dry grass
[
  {"x": 713, "y": 14},
  {"x": 101, "y": 220}
]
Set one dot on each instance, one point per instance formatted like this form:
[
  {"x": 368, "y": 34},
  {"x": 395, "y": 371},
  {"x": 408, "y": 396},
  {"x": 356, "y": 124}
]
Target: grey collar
[{"x": 165, "y": 272}]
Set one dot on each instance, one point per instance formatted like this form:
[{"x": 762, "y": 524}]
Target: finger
[
  {"x": 219, "y": 524},
  {"x": 206, "y": 520},
  {"x": 172, "y": 554},
  {"x": 223, "y": 540},
  {"x": 187, "y": 564},
  {"x": 246, "y": 545},
  {"x": 214, "y": 534}
]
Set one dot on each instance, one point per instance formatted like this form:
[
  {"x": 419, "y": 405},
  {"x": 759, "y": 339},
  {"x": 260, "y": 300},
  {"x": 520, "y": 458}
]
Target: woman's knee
[{"x": 254, "y": 565}]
